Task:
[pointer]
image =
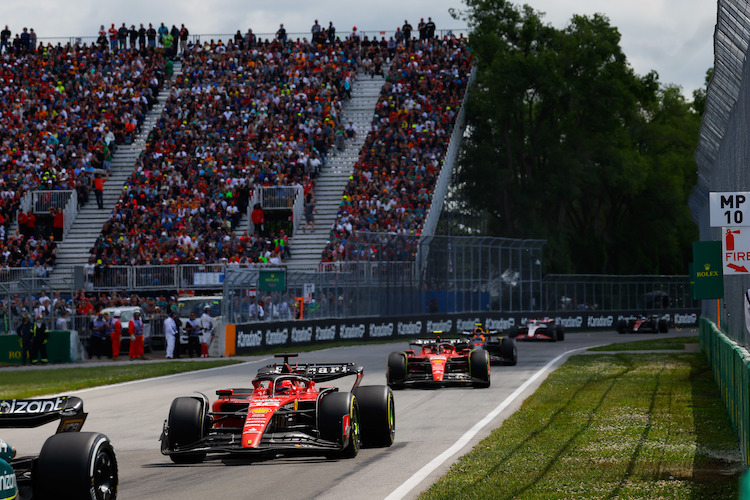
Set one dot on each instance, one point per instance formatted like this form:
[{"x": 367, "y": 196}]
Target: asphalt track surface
[{"x": 434, "y": 427}]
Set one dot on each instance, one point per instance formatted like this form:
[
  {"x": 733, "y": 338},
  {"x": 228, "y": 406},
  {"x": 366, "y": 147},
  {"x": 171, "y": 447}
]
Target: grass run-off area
[
  {"x": 622, "y": 425},
  {"x": 30, "y": 383}
]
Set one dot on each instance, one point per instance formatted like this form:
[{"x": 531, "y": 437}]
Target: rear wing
[
  {"x": 28, "y": 413},
  {"x": 318, "y": 372}
]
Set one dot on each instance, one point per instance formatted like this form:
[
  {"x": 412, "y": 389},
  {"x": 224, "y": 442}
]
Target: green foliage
[{"x": 568, "y": 144}]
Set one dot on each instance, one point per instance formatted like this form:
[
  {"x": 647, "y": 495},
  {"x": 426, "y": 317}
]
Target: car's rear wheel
[
  {"x": 513, "y": 332},
  {"x": 338, "y": 419},
  {"x": 396, "y": 370},
  {"x": 560, "y": 332},
  {"x": 479, "y": 368},
  {"x": 663, "y": 326},
  {"x": 377, "y": 415},
  {"x": 78, "y": 465},
  {"x": 509, "y": 351},
  {"x": 185, "y": 426}
]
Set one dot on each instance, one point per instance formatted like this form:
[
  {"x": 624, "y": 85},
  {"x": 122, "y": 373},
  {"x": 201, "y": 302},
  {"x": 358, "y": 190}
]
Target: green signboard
[
  {"x": 708, "y": 269},
  {"x": 272, "y": 281}
]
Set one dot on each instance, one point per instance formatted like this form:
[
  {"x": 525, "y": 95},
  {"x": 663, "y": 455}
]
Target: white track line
[{"x": 436, "y": 462}]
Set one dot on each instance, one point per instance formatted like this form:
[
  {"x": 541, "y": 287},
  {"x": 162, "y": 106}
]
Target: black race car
[
  {"x": 502, "y": 349},
  {"x": 284, "y": 412},
  {"x": 545, "y": 329},
  {"x": 646, "y": 323},
  {"x": 72, "y": 464}
]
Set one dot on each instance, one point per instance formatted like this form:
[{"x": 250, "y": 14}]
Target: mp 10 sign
[{"x": 729, "y": 209}]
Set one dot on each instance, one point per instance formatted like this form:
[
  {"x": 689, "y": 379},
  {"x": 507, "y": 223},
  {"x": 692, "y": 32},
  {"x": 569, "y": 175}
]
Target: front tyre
[
  {"x": 396, "y": 370},
  {"x": 185, "y": 427},
  {"x": 479, "y": 368},
  {"x": 338, "y": 421},
  {"x": 79, "y": 465},
  {"x": 509, "y": 351},
  {"x": 377, "y": 415}
]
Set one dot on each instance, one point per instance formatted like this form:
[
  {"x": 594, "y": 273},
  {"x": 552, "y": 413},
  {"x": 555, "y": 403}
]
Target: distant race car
[
  {"x": 538, "y": 329},
  {"x": 284, "y": 412},
  {"x": 72, "y": 464},
  {"x": 502, "y": 349},
  {"x": 651, "y": 323},
  {"x": 439, "y": 361}
]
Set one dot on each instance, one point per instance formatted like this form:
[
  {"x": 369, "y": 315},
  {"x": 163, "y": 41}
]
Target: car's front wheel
[
  {"x": 377, "y": 414},
  {"x": 185, "y": 426},
  {"x": 78, "y": 465},
  {"x": 396, "y": 370},
  {"x": 479, "y": 368},
  {"x": 509, "y": 351}
]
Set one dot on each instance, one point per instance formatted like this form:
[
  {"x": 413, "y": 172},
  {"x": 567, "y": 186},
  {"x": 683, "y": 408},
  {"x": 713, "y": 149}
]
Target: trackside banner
[{"x": 252, "y": 337}]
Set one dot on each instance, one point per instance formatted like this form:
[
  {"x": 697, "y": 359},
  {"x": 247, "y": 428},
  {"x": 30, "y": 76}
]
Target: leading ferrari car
[
  {"x": 72, "y": 464},
  {"x": 502, "y": 349},
  {"x": 439, "y": 361},
  {"x": 284, "y": 412},
  {"x": 646, "y": 323},
  {"x": 538, "y": 329}
]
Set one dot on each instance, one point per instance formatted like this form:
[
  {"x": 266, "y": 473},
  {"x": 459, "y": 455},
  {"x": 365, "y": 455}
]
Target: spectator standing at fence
[
  {"x": 98, "y": 336},
  {"x": 4, "y": 37},
  {"x": 122, "y": 37},
  {"x": 207, "y": 330},
  {"x": 310, "y": 212},
  {"x": 24, "y": 331},
  {"x": 430, "y": 28},
  {"x": 162, "y": 32},
  {"x": 258, "y": 217},
  {"x": 331, "y": 32},
  {"x": 30, "y": 224},
  {"x": 141, "y": 37},
  {"x": 40, "y": 337},
  {"x": 112, "y": 33},
  {"x": 315, "y": 31},
  {"x": 151, "y": 35},
  {"x": 193, "y": 330},
  {"x": 58, "y": 223},
  {"x": 132, "y": 36},
  {"x": 98, "y": 186},
  {"x": 170, "y": 334},
  {"x": 281, "y": 34},
  {"x": 135, "y": 328},
  {"x": 116, "y": 327},
  {"x": 107, "y": 348},
  {"x": 62, "y": 323},
  {"x": 406, "y": 29},
  {"x": 184, "y": 34}
]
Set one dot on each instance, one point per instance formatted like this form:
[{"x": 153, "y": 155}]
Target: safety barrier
[
  {"x": 730, "y": 364},
  {"x": 62, "y": 347}
]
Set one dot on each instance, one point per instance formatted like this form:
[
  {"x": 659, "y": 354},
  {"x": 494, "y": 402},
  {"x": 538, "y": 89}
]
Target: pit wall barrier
[
  {"x": 730, "y": 364},
  {"x": 252, "y": 337},
  {"x": 63, "y": 346}
]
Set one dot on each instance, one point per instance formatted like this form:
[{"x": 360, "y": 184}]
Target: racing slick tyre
[
  {"x": 338, "y": 421},
  {"x": 622, "y": 326},
  {"x": 509, "y": 351},
  {"x": 377, "y": 415},
  {"x": 479, "y": 368},
  {"x": 663, "y": 326},
  {"x": 78, "y": 465},
  {"x": 396, "y": 370},
  {"x": 560, "y": 332},
  {"x": 513, "y": 332},
  {"x": 185, "y": 426}
]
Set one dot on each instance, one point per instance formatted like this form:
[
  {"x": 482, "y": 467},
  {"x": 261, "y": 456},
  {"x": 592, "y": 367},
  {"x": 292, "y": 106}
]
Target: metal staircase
[
  {"x": 75, "y": 250},
  {"x": 307, "y": 247}
]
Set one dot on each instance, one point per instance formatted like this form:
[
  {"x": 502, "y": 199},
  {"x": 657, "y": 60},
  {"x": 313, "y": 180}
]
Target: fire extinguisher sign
[{"x": 735, "y": 246}]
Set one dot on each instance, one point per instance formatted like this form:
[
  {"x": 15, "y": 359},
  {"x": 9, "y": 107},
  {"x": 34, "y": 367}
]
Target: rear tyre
[
  {"x": 479, "y": 368},
  {"x": 377, "y": 415},
  {"x": 185, "y": 426},
  {"x": 396, "y": 370},
  {"x": 509, "y": 351},
  {"x": 622, "y": 326},
  {"x": 513, "y": 332},
  {"x": 560, "y": 332},
  {"x": 76, "y": 465},
  {"x": 663, "y": 326},
  {"x": 338, "y": 420}
]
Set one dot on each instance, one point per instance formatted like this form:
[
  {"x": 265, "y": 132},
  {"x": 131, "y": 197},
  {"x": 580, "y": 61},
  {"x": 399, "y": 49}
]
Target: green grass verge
[
  {"x": 622, "y": 425},
  {"x": 652, "y": 344},
  {"x": 30, "y": 383}
]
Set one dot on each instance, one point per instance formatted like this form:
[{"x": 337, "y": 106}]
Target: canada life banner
[{"x": 735, "y": 246}]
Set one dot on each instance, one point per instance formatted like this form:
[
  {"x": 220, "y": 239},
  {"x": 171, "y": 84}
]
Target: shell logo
[{"x": 260, "y": 410}]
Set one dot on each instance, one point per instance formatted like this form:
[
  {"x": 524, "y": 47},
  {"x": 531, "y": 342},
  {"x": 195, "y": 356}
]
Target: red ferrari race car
[
  {"x": 538, "y": 329},
  {"x": 72, "y": 464},
  {"x": 439, "y": 362},
  {"x": 501, "y": 349},
  {"x": 284, "y": 412},
  {"x": 652, "y": 323}
]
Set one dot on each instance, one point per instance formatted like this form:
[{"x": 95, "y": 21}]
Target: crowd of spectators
[
  {"x": 63, "y": 109},
  {"x": 393, "y": 182},
  {"x": 239, "y": 115}
]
